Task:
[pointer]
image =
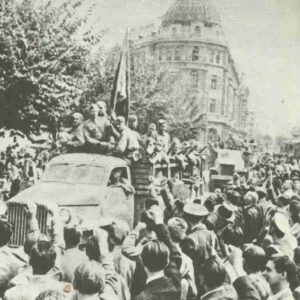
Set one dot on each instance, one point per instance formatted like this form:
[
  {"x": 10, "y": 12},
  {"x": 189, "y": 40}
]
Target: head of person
[
  {"x": 214, "y": 273},
  {"x": 234, "y": 197},
  {"x": 281, "y": 272},
  {"x": 175, "y": 145},
  {"x": 51, "y": 295},
  {"x": 287, "y": 185},
  {"x": 94, "y": 111},
  {"x": 151, "y": 129},
  {"x": 120, "y": 123},
  {"x": 194, "y": 213},
  {"x": 72, "y": 236},
  {"x": 233, "y": 235},
  {"x": 224, "y": 217},
  {"x": 77, "y": 119},
  {"x": 42, "y": 257},
  {"x": 32, "y": 239},
  {"x": 250, "y": 199},
  {"x": 92, "y": 249},
  {"x": 6, "y": 231},
  {"x": 177, "y": 228},
  {"x": 102, "y": 108},
  {"x": 116, "y": 175},
  {"x": 211, "y": 202},
  {"x": 162, "y": 126},
  {"x": 117, "y": 232},
  {"x": 283, "y": 200},
  {"x": 155, "y": 256},
  {"x": 254, "y": 259},
  {"x": 133, "y": 122},
  {"x": 89, "y": 278}
]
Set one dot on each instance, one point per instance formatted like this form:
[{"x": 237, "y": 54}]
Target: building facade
[{"x": 190, "y": 42}]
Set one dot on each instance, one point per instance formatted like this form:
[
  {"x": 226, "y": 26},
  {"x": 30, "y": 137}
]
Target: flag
[{"x": 120, "y": 97}]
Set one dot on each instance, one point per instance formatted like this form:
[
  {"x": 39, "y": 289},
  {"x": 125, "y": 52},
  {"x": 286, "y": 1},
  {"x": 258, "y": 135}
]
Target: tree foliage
[{"x": 45, "y": 61}]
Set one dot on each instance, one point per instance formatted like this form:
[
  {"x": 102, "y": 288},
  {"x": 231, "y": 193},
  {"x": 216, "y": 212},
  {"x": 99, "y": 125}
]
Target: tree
[{"x": 45, "y": 54}]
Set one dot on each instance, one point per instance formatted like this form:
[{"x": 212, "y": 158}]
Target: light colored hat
[
  {"x": 282, "y": 223},
  {"x": 195, "y": 209}
]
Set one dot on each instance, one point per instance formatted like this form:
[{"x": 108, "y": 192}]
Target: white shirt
[{"x": 155, "y": 276}]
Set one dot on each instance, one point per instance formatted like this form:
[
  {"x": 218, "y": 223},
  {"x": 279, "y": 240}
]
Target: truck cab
[
  {"x": 80, "y": 185},
  {"x": 228, "y": 163}
]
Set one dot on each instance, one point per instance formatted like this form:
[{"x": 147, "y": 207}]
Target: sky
[{"x": 264, "y": 37}]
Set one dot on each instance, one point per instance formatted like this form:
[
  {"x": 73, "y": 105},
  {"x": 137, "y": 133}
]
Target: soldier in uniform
[
  {"x": 127, "y": 143},
  {"x": 133, "y": 125},
  {"x": 94, "y": 129},
  {"x": 77, "y": 140},
  {"x": 163, "y": 134},
  {"x": 103, "y": 120}
]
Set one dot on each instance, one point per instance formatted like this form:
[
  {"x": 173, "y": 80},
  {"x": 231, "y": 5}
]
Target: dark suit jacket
[{"x": 168, "y": 287}]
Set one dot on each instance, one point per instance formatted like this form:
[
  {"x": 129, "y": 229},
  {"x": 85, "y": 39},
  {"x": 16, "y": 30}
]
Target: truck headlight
[{"x": 65, "y": 215}]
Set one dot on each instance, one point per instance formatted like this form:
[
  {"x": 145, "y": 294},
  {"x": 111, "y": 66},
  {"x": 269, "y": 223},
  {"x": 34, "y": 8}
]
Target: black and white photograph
[{"x": 149, "y": 150}]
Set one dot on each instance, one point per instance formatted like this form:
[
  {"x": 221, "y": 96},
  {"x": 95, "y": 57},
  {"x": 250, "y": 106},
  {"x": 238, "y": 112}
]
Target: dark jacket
[
  {"x": 197, "y": 246},
  {"x": 169, "y": 286},
  {"x": 224, "y": 292},
  {"x": 252, "y": 287}
]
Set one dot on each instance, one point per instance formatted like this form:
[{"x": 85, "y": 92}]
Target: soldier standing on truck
[
  {"x": 103, "y": 120},
  {"x": 133, "y": 124},
  {"x": 94, "y": 130},
  {"x": 127, "y": 144},
  {"x": 77, "y": 140},
  {"x": 163, "y": 134}
]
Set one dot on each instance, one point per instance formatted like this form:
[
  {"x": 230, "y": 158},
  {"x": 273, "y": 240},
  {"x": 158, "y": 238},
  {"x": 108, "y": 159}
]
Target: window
[
  {"x": 211, "y": 56},
  {"x": 197, "y": 30},
  {"x": 218, "y": 58},
  {"x": 178, "y": 53},
  {"x": 212, "y": 105},
  {"x": 214, "y": 82},
  {"x": 174, "y": 31},
  {"x": 160, "y": 54},
  {"x": 169, "y": 54},
  {"x": 195, "y": 55},
  {"x": 117, "y": 175},
  {"x": 194, "y": 78}
]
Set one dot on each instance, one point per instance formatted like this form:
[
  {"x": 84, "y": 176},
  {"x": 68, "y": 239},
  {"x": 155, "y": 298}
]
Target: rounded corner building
[{"x": 190, "y": 42}]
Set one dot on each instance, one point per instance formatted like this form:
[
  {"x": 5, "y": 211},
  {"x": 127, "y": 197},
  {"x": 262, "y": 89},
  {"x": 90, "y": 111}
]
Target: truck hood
[{"x": 63, "y": 194}]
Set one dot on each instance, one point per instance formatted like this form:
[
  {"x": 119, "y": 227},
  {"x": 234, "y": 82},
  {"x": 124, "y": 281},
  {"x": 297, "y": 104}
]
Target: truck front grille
[{"x": 17, "y": 217}]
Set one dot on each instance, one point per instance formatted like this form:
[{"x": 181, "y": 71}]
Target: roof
[
  {"x": 90, "y": 159},
  {"x": 187, "y": 11}
]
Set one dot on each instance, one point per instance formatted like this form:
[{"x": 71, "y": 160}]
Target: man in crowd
[
  {"x": 77, "y": 139},
  {"x": 281, "y": 275}
]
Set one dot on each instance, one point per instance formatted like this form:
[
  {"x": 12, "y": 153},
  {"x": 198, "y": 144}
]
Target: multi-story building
[{"x": 190, "y": 42}]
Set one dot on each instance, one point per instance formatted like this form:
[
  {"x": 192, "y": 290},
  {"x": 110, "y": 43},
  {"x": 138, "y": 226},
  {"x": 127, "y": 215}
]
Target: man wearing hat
[
  {"x": 163, "y": 134},
  {"x": 77, "y": 139},
  {"x": 280, "y": 232},
  {"x": 151, "y": 133},
  {"x": 200, "y": 244},
  {"x": 133, "y": 125}
]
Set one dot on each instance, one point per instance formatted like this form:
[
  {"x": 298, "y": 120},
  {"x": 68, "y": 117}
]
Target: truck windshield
[{"x": 74, "y": 173}]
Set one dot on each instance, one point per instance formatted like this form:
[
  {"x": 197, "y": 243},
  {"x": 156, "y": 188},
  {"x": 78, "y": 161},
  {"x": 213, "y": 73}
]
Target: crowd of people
[
  {"x": 238, "y": 242},
  {"x": 241, "y": 242}
]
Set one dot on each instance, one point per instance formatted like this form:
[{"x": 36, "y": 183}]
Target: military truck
[
  {"x": 79, "y": 183},
  {"x": 228, "y": 163}
]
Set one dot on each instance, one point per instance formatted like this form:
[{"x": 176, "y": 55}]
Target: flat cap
[{"x": 195, "y": 209}]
